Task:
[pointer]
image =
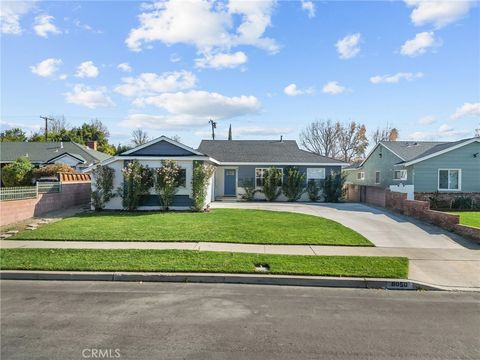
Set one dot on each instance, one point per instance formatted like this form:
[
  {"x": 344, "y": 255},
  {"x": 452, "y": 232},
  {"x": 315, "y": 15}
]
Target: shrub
[
  {"x": 202, "y": 173},
  {"x": 293, "y": 184},
  {"x": 434, "y": 200},
  {"x": 167, "y": 181},
  {"x": 52, "y": 170},
  {"x": 136, "y": 181},
  {"x": 333, "y": 189},
  {"x": 18, "y": 173},
  {"x": 313, "y": 190},
  {"x": 249, "y": 188},
  {"x": 462, "y": 202},
  {"x": 103, "y": 181},
  {"x": 272, "y": 180}
]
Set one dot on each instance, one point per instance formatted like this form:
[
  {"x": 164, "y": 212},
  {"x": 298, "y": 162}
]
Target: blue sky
[{"x": 268, "y": 68}]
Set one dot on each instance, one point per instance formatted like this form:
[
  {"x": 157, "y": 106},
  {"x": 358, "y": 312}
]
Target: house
[
  {"x": 235, "y": 161},
  {"x": 77, "y": 156},
  {"x": 422, "y": 168}
]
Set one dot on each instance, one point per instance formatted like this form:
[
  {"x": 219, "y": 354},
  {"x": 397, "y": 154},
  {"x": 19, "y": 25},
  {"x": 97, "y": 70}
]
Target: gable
[{"x": 161, "y": 148}]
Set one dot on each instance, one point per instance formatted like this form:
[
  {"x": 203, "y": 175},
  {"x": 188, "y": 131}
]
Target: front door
[{"x": 230, "y": 182}]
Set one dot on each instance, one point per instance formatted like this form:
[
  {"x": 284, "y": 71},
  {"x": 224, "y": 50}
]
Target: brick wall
[
  {"x": 445, "y": 199},
  {"x": 368, "y": 194},
  {"x": 72, "y": 194}
]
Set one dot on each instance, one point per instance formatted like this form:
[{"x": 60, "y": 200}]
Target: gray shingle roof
[
  {"x": 411, "y": 150},
  {"x": 40, "y": 152},
  {"x": 261, "y": 151}
]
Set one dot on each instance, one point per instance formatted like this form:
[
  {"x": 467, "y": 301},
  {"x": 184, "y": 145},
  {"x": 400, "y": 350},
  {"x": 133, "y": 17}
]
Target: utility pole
[
  {"x": 46, "y": 118},
  {"x": 214, "y": 126}
]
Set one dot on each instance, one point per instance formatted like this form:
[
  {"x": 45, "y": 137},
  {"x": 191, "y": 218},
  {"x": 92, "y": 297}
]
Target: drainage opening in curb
[{"x": 263, "y": 268}]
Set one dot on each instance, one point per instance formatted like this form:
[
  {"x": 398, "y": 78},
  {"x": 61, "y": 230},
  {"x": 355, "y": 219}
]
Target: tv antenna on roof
[{"x": 214, "y": 126}]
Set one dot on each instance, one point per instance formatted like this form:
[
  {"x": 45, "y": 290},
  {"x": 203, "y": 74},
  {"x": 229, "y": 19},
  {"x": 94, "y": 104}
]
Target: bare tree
[
  {"x": 321, "y": 137},
  {"x": 386, "y": 134},
  {"x": 177, "y": 138},
  {"x": 58, "y": 124},
  {"x": 477, "y": 131},
  {"x": 352, "y": 141},
  {"x": 139, "y": 137}
]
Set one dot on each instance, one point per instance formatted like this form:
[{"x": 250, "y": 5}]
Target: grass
[
  {"x": 220, "y": 225},
  {"x": 199, "y": 261},
  {"x": 470, "y": 218}
]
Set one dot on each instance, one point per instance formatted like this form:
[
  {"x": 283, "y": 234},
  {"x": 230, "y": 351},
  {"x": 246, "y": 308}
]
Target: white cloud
[
  {"x": 444, "y": 132},
  {"x": 220, "y": 61},
  {"x": 203, "y": 104},
  {"x": 152, "y": 84},
  {"x": 467, "y": 110},
  {"x": 63, "y": 77},
  {"x": 438, "y": 12},
  {"x": 162, "y": 122},
  {"x": 333, "y": 87},
  {"x": 293, "y": 90},
  {"x": 10, "y": 14},
  {"x": 427, "y": 120},
  {"x": 348, "y": 47},
  {"x": 124, "y": 67},
  {"x": 44, "y": 25},
  {"x": 47, "y": 67},
  {"x": 420, "y": 44},
  {"x": 309, "y": 7},
  {"x": 86, "y": 27},
  {"x": 87, "y": 69},
  {"x": 207, "y": 25},
  {"x": 174, "y": 58},
  {"x": 393, "y": 79},
  {"x": 89, "y": 97}
]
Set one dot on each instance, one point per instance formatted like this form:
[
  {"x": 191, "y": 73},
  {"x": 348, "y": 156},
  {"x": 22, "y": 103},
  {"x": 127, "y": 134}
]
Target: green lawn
[
  {"x": 199, "y": 261},
  {"x": 470, "y": 218},
  {"x": 220, "y": 225}
]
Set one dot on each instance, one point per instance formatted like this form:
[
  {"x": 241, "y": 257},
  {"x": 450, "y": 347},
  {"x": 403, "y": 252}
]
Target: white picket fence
[{"x": 29, "y": 192}]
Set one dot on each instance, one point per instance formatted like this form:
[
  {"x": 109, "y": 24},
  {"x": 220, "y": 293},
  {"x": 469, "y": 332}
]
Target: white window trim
[
  {"x": 402, "y": 178},
  {"x": 317, "y": 178},
  {"x": 265, "y": 168},
  {"x": 459, "y": 180},
  {"x": 379, "y": 177},
  {"x": 362, "y": 176}
]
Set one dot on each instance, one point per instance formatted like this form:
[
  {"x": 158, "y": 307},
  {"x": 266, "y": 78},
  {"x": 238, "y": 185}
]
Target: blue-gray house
[
  {"x": 422, "y": 168},
  {"x": 235, "y": 162}
]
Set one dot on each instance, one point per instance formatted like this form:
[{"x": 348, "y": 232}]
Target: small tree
[
  {"x": 103, "y": 181},
  {"x": 18, "y": 173},
  {"x": 52, "y": 170},
  {"x": 249, "y": 188},
  {"x": 202, "y": 173},
  {"x": 293, "y": 185},
  {"x": 334, "y": 187},
  {"x": 133, "y": 184},
  {"x": 313, "y": 190},
  {"x": 167, "y": 181},
  {"x": 272, "y": 181}
]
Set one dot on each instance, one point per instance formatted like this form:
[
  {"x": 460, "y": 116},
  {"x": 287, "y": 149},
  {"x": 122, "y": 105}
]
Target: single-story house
[
  {"x": 235, "y": 161},
  {"x": 422, "y": 168},
  {"x": 77, "y": 156}
]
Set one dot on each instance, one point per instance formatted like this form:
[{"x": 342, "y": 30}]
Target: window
[
  {"x": 260, "y": 174},
  {"x": 361, "y": 175},
  {"x": 400, "y": 175},
  {"x": 182, "y": 177},
  {"x": 377, "y": 177},
  {"x": 315, "y": 174},
  {"x": 449, "y": 179}
]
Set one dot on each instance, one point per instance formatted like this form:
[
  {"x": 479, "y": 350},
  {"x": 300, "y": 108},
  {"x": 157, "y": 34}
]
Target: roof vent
[{"x": 281, "y": 138}]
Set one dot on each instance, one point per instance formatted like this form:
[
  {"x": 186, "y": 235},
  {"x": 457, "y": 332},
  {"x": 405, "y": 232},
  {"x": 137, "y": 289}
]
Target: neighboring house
[
  {"x": 77, "y": 156},
  {"x": 235, "y": 161},
  {"x": 422, "y": 168}
]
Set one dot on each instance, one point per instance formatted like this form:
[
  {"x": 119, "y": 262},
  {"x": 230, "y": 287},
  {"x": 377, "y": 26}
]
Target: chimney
[
  {"x": 281, "y": 138},
  {"x": 92, "y": 144}
]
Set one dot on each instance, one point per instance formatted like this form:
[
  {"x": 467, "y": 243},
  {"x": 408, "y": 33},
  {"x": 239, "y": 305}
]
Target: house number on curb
[{"x": 399, "y": 285}]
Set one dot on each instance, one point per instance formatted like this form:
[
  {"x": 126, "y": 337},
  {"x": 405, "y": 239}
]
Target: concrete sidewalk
[{"x": 453, "y": 268}]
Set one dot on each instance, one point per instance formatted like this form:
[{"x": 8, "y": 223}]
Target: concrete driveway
[{"x": 383, "y": 228}]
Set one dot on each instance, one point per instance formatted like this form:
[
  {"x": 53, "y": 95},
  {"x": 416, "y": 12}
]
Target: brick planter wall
[
  {"x": 445, "y": 199},
  {"x": 72, "y": 194}
]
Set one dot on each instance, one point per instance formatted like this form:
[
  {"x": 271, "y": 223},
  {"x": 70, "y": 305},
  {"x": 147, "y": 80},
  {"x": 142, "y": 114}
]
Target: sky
[{"x": 268, "y": 68}]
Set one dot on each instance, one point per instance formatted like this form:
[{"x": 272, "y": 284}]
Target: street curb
[{"x": 251, "y": 279}]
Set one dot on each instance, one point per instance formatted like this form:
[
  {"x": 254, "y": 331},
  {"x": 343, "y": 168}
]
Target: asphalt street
[{"x": 90, "y": 320}]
